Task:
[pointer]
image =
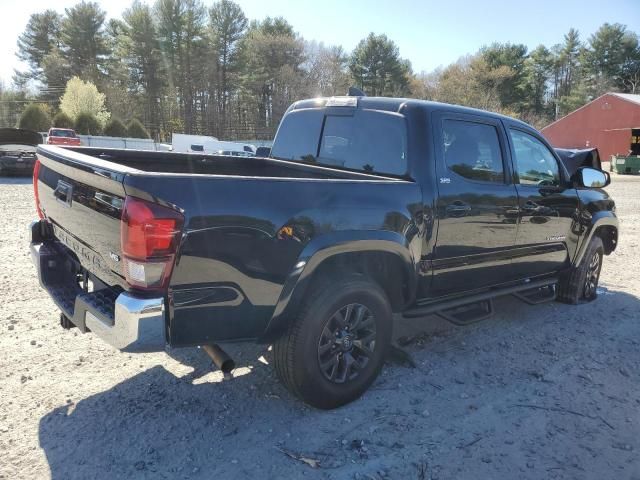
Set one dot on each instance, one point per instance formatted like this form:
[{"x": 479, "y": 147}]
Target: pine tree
[
  {"x": 227, "y": 24},
  {"x": 84, "y": 41},
  {"x": 376, "y": 66},
  {"x": 272, "y": 76},
  {"x": 181, "y": 31},
  {"x": 40, "y": 37},
  {"x": 511, "y": 89},
  {"x": 139, "y": 48}
]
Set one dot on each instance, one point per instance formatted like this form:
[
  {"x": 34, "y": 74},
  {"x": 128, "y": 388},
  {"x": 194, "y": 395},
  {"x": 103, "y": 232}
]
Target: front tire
[
  {"x": 336, "y": 346},
  {"x": 580, "y": 283}
]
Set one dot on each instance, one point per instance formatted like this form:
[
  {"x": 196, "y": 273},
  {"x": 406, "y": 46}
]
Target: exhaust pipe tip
[{"x": 220, "y": 358}]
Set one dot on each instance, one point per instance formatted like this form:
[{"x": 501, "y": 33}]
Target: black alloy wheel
[
  {"x": 337, "y": 342},
  {"x": 592, "y": 276},
  {"x": 347, "y": 343}
]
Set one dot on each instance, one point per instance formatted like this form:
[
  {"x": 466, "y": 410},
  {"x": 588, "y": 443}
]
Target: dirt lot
[{"x": 550, "y": 391}]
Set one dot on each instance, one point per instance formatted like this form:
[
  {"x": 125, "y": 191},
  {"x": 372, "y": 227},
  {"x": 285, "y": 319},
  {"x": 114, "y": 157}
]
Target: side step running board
[
  {"x": 476, "y": 307},
  {"x": 535, "y": 296},
  {"x": 469, "y": 313}
]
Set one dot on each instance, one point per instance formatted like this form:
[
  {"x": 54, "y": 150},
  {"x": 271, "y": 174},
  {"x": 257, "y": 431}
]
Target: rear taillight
[
  {"x": 36, "y": 172},
  {"x": 149, "y": 237}
]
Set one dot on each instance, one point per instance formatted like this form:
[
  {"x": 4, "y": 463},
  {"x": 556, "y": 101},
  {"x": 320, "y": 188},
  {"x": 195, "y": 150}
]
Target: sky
[{"x": 429, "y": 33}]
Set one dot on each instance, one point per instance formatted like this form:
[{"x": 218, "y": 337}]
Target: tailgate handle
[{"x": 63, "y": 193}]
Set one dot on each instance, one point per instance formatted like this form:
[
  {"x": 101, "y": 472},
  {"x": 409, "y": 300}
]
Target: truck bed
[{"x": 203, "y": 164}]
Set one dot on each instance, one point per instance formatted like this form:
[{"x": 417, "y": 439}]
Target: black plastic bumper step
[
  {"x": 65, "y": 297},
  {"x": 59, "y": 275},
  {"x": 101, "y": 303}
]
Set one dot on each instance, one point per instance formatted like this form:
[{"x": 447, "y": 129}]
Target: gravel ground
[{"x": 547, "y": 391}]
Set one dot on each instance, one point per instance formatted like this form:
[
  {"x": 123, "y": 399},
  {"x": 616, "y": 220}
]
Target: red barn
[{"x": 604, "y": 123}]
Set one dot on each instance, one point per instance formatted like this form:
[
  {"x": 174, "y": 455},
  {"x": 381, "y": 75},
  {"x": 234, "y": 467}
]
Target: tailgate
[{"x": 82, "y": 197}]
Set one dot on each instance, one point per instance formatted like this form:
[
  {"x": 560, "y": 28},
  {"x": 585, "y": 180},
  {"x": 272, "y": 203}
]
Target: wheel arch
[
  {"x": 382, "y": 255},
  {"x": 603, "y": 224},
  {"x": 609, "y": 236}
]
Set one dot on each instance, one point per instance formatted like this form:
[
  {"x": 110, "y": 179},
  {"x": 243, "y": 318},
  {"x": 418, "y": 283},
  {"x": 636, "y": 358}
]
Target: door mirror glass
[
  {"x": 263, "y": 152},
  {"x": 592, "y": 178}
]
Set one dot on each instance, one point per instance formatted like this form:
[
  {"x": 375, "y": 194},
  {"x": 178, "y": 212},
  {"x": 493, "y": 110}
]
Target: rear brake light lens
[
  {"x": 150, "y": 234},
  {"x": 36, "y": 172}
]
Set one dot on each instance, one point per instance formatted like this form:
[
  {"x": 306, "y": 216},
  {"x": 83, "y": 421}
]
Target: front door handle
[{"x": 529, "y": 207}]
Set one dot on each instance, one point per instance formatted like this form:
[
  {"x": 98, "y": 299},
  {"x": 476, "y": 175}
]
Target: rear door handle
[
  {"x": 458, "y": 209},
  {"x": 529, "y": 207}
]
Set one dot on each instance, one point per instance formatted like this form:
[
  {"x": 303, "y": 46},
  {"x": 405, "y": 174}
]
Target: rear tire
[
  {"x": 336, "y": 346},
  {"x": 580, "y": 283}
]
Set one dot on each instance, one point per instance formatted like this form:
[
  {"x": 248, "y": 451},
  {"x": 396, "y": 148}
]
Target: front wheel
[
  {"x": 335, "y": 348},
  {"x": 580, "y": 283}
]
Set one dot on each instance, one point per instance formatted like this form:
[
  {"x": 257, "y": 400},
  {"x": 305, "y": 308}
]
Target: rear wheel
[
  {"x": 335, "y": 348},
  {"x": 580, "y": 284}
]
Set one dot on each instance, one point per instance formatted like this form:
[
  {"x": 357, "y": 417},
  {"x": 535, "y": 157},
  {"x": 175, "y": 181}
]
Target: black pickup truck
[
  {"x": 364, "y": 208},
  {"x": 18, "y": 150}
]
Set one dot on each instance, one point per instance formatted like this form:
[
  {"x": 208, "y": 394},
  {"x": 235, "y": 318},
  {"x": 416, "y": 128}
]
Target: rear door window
[{"x": 472, "y": 150}]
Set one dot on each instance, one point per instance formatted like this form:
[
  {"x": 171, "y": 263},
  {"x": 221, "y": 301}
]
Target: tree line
[
  {"x": 181, "y": 66},
  {"x": 543, "y": 84}
]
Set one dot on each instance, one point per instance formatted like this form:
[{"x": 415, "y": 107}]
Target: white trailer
[
  {"x": 117, "y": 142},
  {"x": 181, "y": 142}
]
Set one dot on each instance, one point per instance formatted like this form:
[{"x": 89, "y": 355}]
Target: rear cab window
[
  {"x": 370, "y": 141},
  {"x": 62, "y": 133}
]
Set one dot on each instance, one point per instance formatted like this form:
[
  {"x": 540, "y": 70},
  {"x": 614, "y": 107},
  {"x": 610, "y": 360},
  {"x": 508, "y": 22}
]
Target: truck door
[
  {"x": 477, "y": 206},
  {"x": 548, "y": 206}
]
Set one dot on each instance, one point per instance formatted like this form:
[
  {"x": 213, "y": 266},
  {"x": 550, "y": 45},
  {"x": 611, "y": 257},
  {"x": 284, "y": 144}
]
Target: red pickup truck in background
[{"x": 62, "y": 136}]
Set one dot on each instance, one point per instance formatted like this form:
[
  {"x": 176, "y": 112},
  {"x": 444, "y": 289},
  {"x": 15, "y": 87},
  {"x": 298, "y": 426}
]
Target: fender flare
[
  {"x": 603, "y": 218},
  {"x": 326, "y": 246}
]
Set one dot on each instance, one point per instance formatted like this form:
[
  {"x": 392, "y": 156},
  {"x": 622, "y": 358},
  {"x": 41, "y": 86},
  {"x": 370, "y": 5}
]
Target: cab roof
[{"x": 395, "y": 105}]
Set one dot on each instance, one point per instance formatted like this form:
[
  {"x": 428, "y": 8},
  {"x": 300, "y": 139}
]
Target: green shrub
[
  {"x": 35, "y": 117},
  {"x": 115, "y": 128},
  {"x": 87, "y": 124},
  {"x": 135, "y": 129},
  {"x": 62, "y": 120}
]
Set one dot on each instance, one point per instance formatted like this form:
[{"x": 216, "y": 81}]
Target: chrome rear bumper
[
  {"x": 124, "y": 320},
  {"x": 138, "y": 324}
]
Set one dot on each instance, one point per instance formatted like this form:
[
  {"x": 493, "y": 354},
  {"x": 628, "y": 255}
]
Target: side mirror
[
  {"x": 592, "y": 178},
  {"x": 263, "y": 152}
]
